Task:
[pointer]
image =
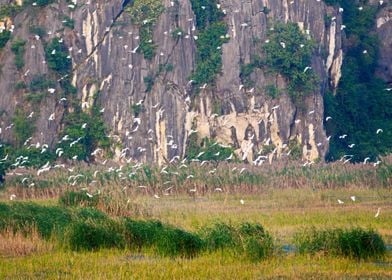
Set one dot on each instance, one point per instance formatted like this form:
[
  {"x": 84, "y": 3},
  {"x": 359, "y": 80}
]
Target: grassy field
[
  {"x": 282, "y": 212},
  {"x": 286, "y": 199}
]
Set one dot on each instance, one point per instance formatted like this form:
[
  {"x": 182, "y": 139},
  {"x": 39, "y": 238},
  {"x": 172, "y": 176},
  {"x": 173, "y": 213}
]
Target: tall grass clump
[
  {"x": 257, "y": 243},
  {"x": 250, "y": 240},
  {"x": 92, "y": 234},
  {"x": 139, "y": 234},
  {"x": 355, "y": 243},
  {"x": 23, "y": 217},
  {"x": 78, "y": 198},
  {"x": 164, "y": 239},
  {"x": 177, "y": 242}
]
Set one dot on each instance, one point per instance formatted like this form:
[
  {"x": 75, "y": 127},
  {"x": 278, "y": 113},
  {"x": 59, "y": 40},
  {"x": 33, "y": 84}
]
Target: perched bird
[
  {"x": 242, "y": 201},
  {"x": 353, "y": 197}
]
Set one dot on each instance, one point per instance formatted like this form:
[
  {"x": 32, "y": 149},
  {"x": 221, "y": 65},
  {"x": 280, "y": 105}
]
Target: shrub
[
  {"x": 145, "y": 13},
  {"x": 59, "y": 61},
  {"x": 209, "y": 21},
  {"x": 289, "y": 52},
  {"x": 9, "y": 10},
  {"x": 25, "y": 216},
  {"x": 357, "y": 243},
  {"x": 212, "y": 150},
  {"x": 219, "y": 236},
  {"x": 23, "y": 128},
  {"x": 257, "y": 244},
  {"x": 140, "y": 234},
  {"x": 177, "y": 242},
  {"x": 79, "y": 198},
  {"x": 91, "y": 235},
  {"x": 90, "y": 137},
  {"x": 18, "y": 48},
  {"x": 38, "y": 30},
  {"x": 4, "y": 38},
  {"x": 39, "y": 3}
]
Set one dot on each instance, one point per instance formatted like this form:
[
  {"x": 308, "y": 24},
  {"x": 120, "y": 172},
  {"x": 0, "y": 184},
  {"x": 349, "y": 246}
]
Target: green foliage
[
  {"x": 356, "y": 243},
  {"x": 18, "y": 48},
  {"x": 209, "y": 53},
  {"x": 206, "y": 12},
  {"x": 20, "y": 85},
  {"x": 213, "y": 30},
  {"x": 360, "y": 105},
  {"x": 136, "y": 109},
  {"x": 92, "y": 235},
  {"x": 149, "y": 82},
  {"x": 177, "y": 33},
  {"x": 5, "y": 35},
  {"x": 139, "y": 234},
  {"x": 257, "y": 243},
  {"x": 219, "y": 236},
  {"x": 57, "y": 57},
  {"x": 68, "y": 22},
  {"x": 174, "y": 242},
  {"x": 39, "y": 3},
  {"x": 78, "y": 198},
  {"x": 37, "y": 30},
  {"x": 89, "y": 138},
  {"x": 9, "y": 10},
  {"x": 296, "y": 150},
  {"x": 249, "y": 239},
  {"x": 23, "y": 216},
  {"x": 145, "y": 13},
  {"x": 272, "y": 90},
  {"x": 23, "y": 128},
  {"x": 41, "y": 83},
  {"x": 212, "y": 151},
  {"x": 289, "y": 52}
]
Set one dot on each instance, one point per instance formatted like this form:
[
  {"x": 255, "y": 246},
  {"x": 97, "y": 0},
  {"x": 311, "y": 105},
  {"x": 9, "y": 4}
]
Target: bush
[
  {"x": 177, "y": 242},
  {"x": 145, "y": 13},
  {"x": 291, "y": 59},
  {"x": 219, "y": 236},
  {"x": 18, "y": 48},
  {"x": 90, "y": 137},
  {"x": 23, "y": 128},
  {"x": 140, "y": 234},
  {"x": 357, "y": 243},
  {"x": 25, "y": 216},
  {"x": 91, "y": 235},
  {"x": 59, "y": 61},
  {"x": 257, "y": 244},
  {"x": 80, "y": 198},
  {"x": 4, "y": 38}
]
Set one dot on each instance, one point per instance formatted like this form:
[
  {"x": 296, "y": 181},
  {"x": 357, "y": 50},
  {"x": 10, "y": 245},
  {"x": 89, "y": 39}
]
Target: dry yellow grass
[{"x": 20, "y": 245}]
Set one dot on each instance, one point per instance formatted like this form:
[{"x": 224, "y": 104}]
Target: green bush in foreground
[
  {"x": 177, "y": 242},
  {"x": 88, "y": 229},
  {"x": 90, "y": 235},
  {"x": 248, "y": 239},
  {"x": 356, "y": 243}
]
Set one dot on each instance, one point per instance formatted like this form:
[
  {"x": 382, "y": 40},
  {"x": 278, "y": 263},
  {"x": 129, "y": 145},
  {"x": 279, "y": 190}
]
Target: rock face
[
  {"x": 102, "y": 48},
  {"x": 384, "y": 31}
]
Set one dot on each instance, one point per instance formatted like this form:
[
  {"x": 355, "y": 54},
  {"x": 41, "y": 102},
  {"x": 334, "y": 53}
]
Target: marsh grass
[
  {"x": 355, "y": 242},
  {"x": 136, "y": 179},
  {"x": 20, "y": 244}
]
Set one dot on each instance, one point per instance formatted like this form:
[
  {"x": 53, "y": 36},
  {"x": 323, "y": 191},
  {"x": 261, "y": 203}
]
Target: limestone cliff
[{"x": 103, "y": 48}]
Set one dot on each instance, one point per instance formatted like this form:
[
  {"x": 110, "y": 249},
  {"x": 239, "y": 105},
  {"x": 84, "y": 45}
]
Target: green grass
[{"x": 214, "y": 236}]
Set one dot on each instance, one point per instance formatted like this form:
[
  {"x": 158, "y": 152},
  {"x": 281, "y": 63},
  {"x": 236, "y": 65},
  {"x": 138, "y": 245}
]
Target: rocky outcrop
[
  {"x": 102, "y": 48},
  {"x": 384, "y": 31}
]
